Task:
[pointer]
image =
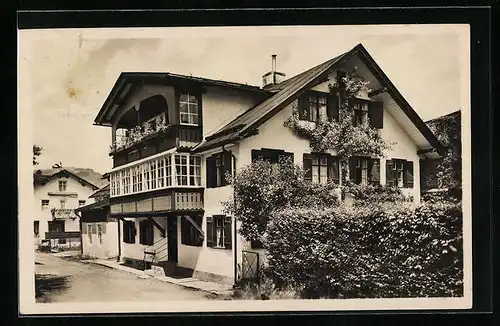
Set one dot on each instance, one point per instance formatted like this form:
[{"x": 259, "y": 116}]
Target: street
[{"x": 62, "y": 280}]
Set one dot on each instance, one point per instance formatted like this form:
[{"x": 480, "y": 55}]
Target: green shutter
[
  {"x": 211, "y": 174},
  {"x": 352, "y": 168},
  {"x": 228, "y": 168},
  {"x": 210, "y": 232},
  {"x": 408, "y": 174},
  {"x": 228, "y": 238},
  {"x": 333, "y": 169},
  {"x": 307, "y": 166},
  {"x": 389, "y": 178},
  {"x": 376, "y": 114},
  {"x": 333, "y": 106},
  {"x": 303, "y": 107}
]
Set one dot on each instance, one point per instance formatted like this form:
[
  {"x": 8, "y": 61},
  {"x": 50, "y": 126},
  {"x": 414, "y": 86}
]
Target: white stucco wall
[
  {"x": 109, "y": 246},
  {"x": 42, "y": 193}
]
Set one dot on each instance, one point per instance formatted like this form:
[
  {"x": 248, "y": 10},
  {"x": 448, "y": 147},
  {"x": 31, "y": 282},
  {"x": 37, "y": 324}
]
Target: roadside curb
[{"x": 165, "y": 279}]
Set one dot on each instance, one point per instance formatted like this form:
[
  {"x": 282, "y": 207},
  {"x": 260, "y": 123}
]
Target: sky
[{"x": 71, "y": 72}]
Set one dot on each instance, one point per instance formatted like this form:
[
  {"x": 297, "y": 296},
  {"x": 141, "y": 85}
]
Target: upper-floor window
[
  {"x": 81, "y": 202},
  {"x": 179, "y": 169},
  {"x": 189, "y": 110},
  {"x": 360, "y": 112},
  {"x": 364, "y": 170},
  {"x": 45, "y": 203},
  {"x": 62, "y": 185},
  {"x": 63, "y": 203},
  {"x": 218, "y": 166},
  {"x": 399, "y": 173},
  {"x": 317, "y": 106},
  {"x": 321, "y": 168}
]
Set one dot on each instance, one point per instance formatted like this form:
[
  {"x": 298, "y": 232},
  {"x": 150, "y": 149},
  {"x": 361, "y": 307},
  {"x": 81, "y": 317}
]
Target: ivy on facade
[{"x": 342, "y": 135}]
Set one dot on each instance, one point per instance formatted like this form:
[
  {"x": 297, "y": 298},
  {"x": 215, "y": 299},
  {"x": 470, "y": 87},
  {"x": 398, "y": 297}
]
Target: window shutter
[
  {"x": 199, "y": 220},
  {"x": 94, "y": 228},
  {"x": 228, "y": 238},
  {"x": 333, "y": 169},
  {"x": 374, "y": 171},
  {"x": 303, "y": 107},
  {"x": 307, "y": 166},
  {"x": 409, "y": 174},
  {"x": 389, "y": 179},
  {"x": 376, "y": 114},
  {"x": 210, "y": 232},
  {"x": 84, "y": 228},
  {"x": 333, "y": 107},
  {"x": 151, "y": 232},
  {"x": 183, "y": 230},
  {"x": 103, "y": 227},
  {"x": 352, "y": 168},
  {"x": 228, "y": 168},
  {"x": 141, "y": 232},
  {"x": 210, "y": 172}
]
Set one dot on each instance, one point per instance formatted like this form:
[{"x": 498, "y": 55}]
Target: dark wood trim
[
  {"x": 158, "y": 226},
  {"x": 377, "y": 92},
  {"x": 153, "y": 193},
  {"x": 426, "y": 151},
  {"x": 193, "y": 212}
]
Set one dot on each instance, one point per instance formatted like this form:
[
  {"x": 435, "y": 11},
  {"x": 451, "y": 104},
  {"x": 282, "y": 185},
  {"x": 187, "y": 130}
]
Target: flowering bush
[
  {"x": 376, "y": 193},
  {"x": 261, "y": 189},
  {"x": 368, "y": 252},
  {"x": 139, "y": 133}
]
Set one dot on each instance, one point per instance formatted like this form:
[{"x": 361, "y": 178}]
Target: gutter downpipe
[
  {"x": 235, "y": 245},
  {"x": 81, "y": 236}
]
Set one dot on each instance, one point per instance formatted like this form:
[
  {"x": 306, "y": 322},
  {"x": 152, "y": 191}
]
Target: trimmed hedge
[{"x": 368, "y": 252}]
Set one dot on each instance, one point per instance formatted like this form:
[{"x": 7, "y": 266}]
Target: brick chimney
[{"x": 272, "y": 77}]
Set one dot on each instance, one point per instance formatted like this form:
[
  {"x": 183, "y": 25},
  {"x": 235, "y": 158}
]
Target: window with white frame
[
  {"x": 62, "y": 185},
  {"x": 45, "y": 203},
  {"x": 360, "y": 113},
  {"x": 195, "y": 171},
  {"x": 157, "y": 174},
  {"x": 181, "y": 169},
  {"x": 219, "y": 232},
  {"x": 188, "y": 108}
]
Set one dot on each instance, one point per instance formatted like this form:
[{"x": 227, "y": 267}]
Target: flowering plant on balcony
[{"x": 139, "y": 133}]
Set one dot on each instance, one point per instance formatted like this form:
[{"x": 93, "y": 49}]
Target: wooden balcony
[
  {"x": 63, "y": 213},
  {"x": 159, "y": 202}
]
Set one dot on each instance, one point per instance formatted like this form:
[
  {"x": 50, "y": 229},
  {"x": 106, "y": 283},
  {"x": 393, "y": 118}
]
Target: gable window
[
  {"x": 399, "y": 173},
  {"x": 62, "y": 185},
  {"x": 81, "y": 202},
  {"x": 364, "y": 170},
  {"x": 321, "y": 168},
  {"x": 219, "y": 232},
  {"x": 63, "y": 203},
  {"x": 129, "y": 231},
  {"x": 146, "y": 232},
  {"x": 188, "y": 108},
  {"x": 190, "y": 236},
  {"x": 316, "y": 106},
  {"x": 45, "y": 203},
  {"x": 218, "y": 165},
  {"x": 360, "y": 112}
]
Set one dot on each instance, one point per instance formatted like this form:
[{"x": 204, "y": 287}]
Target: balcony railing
[{"x": 63, "y": 213}]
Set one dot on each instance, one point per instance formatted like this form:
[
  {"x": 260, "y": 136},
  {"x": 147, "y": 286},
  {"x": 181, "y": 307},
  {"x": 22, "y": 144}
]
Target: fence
[
  {"x": 250, "y": 266},
  {"x": 64, "y": 240}
]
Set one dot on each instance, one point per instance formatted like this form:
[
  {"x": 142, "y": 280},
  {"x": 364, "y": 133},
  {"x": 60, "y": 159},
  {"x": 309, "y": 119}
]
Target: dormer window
[{"x": 188, "y": 108}]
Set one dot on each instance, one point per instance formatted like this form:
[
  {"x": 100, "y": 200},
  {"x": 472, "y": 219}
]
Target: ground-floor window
[
  {"x": 36, "y": 228},
  {"x": 219, "y": 232},
  {"x": 56, "y": 226},
  {"x": 146, "y": 232},
  {"x": 190, "y": 235},
  {"x": 129, "y": 231}
]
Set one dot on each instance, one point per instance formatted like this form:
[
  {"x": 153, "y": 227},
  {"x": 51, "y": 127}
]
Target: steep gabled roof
[
  {"x": 246, "y": 124},
  {"x": 86, "y": 175},
  {"x": 104, "y": 191}
]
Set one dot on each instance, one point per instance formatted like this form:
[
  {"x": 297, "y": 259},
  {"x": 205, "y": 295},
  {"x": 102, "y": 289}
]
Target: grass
[{"x": 47, "y": 284}]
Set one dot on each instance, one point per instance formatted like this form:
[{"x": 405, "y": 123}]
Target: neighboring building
[
  {"x": 167, "y": 183},
  {"x": 444, "y": 172},
  {"x": 58, "y": 191},
  {"x": 99, "y": 230}
]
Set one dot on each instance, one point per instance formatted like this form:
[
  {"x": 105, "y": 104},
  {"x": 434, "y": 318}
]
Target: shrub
[
  {"x": 368, "y": 252},
  {"x": 376, "y": 193}
]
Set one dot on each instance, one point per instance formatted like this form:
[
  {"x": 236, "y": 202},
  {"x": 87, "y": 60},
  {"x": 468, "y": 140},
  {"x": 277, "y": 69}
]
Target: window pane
[
  {"x": 193, "y": 108},
  {"x": 323, "y": 160},
  {"x": 193, "y": 99},
  {"x": 184, "y": 118},
  {"x": 322, "y": 100},
  {"x": 184, "y": 97},
  {"x": 323, "y": 175}
]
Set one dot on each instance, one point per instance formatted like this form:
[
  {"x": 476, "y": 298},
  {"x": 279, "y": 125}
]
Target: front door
[{"x": 172, "y": 239}]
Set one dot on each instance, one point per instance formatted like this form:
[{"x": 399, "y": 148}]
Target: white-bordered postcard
[{"x": 233, "y": 169}]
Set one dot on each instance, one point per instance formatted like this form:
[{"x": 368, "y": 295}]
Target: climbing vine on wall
[{"x": 341, "y": 135}]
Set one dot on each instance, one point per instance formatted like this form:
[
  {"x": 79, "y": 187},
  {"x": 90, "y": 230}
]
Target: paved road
[{"x": 61, "y": 280}]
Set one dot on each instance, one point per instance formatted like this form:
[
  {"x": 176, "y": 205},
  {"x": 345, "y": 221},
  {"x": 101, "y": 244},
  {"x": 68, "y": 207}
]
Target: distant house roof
[
  {"x": 122, "y": 87},
  {"x": 94, "y": 206},
  {"x": 247, "y": 123},
  {"x": 85, "y": 174},
  {"x": 104, "y": 191}
]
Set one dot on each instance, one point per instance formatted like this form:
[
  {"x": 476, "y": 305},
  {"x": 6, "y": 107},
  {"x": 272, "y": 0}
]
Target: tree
[
  {"x": 342, "y": 134},
  {"x": 262, "y": 188},
  {"x": 37, "y": 151}
]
